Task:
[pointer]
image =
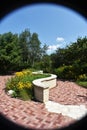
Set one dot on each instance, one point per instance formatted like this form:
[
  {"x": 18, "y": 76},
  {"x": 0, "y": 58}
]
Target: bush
[
  {"x": 82, "y": 77},
  {"x": 59, "y": 72},
  {"x": 21, "y": 85},
  {"x": 65, "y": 72},
  {"x": 82, "y": 80}
]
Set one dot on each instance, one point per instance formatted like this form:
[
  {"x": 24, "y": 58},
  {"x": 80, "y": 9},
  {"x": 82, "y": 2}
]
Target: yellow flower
[
  {"x": 24, "y": 72},
  {"x": 19, "y": 74},
  {"x": 27, "y": 72},
  {"x": 28, "y": 85},
  {"x": 20, "y": 85}
]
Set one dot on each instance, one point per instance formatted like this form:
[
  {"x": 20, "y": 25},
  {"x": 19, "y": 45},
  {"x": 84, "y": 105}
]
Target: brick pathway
[
  {"x": 69, "y": 93},
  {"x": 34, "y": 114}
]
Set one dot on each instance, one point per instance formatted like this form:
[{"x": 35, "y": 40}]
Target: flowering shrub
[
  {"x": 65, "y": 72},
  {"x": 82, "y": 77},
  {"x": 23, "y": 73},
  {"x": 21, "y": 85},
  {"x": 19, "y": 74},
  {"x": 82, "y": 80}
]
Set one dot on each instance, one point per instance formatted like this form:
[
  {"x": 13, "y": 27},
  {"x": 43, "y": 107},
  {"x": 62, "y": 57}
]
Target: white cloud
[
  {"x": 53, "y": 47},
  {"x": 60, "y": 39}
]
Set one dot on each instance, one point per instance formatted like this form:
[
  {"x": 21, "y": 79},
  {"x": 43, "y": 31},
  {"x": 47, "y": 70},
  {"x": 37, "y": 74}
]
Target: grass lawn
[{"x": 82, "y": 83}]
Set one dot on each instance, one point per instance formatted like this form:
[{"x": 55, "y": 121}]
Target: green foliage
[
  {"x": 70, "y": 62},
  {"x": 9, "y": 52},
  {"x": 44, "y": 64},
  {"x": 20, "y": 51},
  {"x": 65, "y": 72},
  {"x": 82, "y": 83},
  {"x": 31, "y": 50},
  {"x": 24, "y": 40},
  {"x": 82, "y": 77},
  {"x": 74, "y": 53},
  {"x": 59, "y": 72},
  {"x": 26, "y": 94},
  {"x": 34, "y": 49},
  {"x": 24, "y": 51},
  {"x": 22, "y": 85}
]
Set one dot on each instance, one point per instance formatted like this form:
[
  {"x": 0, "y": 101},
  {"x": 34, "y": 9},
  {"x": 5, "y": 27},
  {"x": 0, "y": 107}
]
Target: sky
[{"x": 56, "y": 26}]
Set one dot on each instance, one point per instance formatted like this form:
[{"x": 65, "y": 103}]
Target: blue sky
[{"x": 57, "y": 26}]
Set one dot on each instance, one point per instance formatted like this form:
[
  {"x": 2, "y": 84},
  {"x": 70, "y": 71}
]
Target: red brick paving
[
  {"x": 34, "y": 114},
  {"x": 69, "y": 93}
]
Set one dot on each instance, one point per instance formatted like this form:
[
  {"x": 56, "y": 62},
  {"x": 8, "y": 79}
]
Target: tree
[
  {"x": 34, "y": 49},
  {"x": 72, "y": 58},
  {"x": 20, "y": 51},
  {"x": 57, "y": 58},
  {"x": 31, "y": 50},
  {"x": 46, "y": 64},
  {"x": 44, "y": 50},
  {"x": 9, "y": 52},
  {"x": 24, "y": 41}
]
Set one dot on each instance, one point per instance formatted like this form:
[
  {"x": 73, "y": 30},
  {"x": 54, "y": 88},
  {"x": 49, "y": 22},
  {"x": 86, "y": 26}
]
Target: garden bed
[{"x": 20, "y": 85}]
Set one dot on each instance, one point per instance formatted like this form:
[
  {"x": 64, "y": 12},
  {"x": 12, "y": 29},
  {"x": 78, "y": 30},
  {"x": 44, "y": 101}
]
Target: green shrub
[
  {"x": 65, "y": 72},
  {"x": 59, "y": 72},
  {"x": 21, "y": 85},
  {"x": 82, "y": 77},
  {"x": 82, "y": 80}
]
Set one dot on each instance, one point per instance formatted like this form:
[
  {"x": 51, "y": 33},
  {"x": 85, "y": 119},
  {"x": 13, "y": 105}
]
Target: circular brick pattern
[{"x": 34, "y": 114}]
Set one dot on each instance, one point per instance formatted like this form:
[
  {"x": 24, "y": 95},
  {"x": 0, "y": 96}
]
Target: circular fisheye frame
[{"x": 6, "y": 7}]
